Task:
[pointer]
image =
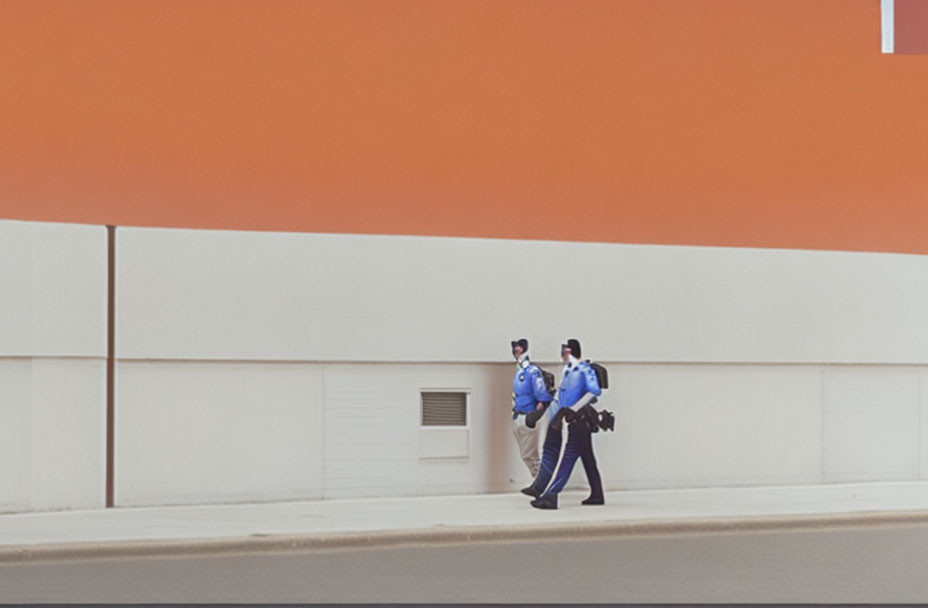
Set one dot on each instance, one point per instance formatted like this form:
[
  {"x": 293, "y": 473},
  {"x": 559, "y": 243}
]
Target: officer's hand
[{"x": 531, "y": 419}]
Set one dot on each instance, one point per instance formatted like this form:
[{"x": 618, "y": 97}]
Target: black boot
[
  {"x": 548, "y": 501},
  {"x": 531, "y": 491},
  {"x": 594, "y": 500}
]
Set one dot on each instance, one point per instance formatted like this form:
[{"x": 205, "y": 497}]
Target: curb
[{"x": 22, "y": 554}]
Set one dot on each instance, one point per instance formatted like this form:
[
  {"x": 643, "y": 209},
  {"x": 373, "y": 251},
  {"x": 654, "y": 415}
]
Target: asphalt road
[{"x": 850, "y": 565}]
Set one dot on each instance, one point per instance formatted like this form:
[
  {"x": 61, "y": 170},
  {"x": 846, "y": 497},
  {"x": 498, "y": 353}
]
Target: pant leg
[
  {"x": 568, "y": 459},
  {"x": 589, "y": 465},
  {"x": 528, "y": 444},
  {"x": 551, "y": 451}
]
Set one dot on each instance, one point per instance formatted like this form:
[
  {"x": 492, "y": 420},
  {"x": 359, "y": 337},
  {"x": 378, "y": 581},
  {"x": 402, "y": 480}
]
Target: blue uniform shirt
[
  {"x": 528, "y": 387},
  {"x": 578, "y": 380}
]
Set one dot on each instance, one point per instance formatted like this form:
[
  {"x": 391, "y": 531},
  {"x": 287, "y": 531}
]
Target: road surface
[{"x": 875, "y": 564}]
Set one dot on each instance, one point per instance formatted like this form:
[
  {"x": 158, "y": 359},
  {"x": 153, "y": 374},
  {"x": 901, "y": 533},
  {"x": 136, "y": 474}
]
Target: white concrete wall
[
  {"x": 278, "y": 366},
  {"x": 200, "y": 432},
  {"x": 872, "y": 424},
  {"x": 378, "y": 406},
  {"x": 52, "y": 366},
  {"x": 712, "y": 425},
  {"x": 203, "y": 432},
  {"x": 263, "y": 296},
  {"x": 729, "y": 366},
  {"x": 731, "y": 425},
  {"x": 52, "y": 290}
]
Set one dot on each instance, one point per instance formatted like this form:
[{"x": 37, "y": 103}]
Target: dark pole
[{"x": 110, "y": 355}]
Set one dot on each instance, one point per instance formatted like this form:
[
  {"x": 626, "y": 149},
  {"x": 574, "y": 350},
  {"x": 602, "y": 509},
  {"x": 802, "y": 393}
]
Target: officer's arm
[
  {"x": 538, "y": 386},
  {"x": 555, "y": 413},
  {"x": 532, "y": 418},
  {"x": 592, "y": 389}
]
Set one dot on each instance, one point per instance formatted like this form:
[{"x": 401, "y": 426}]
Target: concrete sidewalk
[{"x": 334, "y": 524}]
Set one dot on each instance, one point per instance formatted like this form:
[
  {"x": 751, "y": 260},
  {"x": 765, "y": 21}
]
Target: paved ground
[
  {"x": 839, "y": 543},
  {"x": 843, "y": 565},
  {"x": 338, "y": 518}
]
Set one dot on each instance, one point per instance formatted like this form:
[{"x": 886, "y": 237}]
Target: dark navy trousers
[
  {"x": 579, "y": 445},
  {"x": 549, "y": 455}
]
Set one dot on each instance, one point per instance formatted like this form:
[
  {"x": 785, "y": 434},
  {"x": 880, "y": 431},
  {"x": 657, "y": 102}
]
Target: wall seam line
[
  {"x": 324, "y": 458},
  {"x": 921, "y": 431},
  {"x": 822, "y": 476}
]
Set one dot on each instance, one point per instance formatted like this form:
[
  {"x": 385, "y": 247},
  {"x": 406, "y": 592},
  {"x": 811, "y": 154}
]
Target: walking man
[
  {"x": 579, "y": 386},
  {"x": 529, "y": 393}
]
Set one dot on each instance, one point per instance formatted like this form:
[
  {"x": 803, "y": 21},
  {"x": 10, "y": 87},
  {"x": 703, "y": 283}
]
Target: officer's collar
[
  {"x": 523, "y": 361},
  {"x": 571, "y": 362}
]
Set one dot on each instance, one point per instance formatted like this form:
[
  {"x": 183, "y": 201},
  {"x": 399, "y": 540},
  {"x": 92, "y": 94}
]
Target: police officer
[
  {"x": 578, "y": 388},
  {"x": 528, "y": 395}
]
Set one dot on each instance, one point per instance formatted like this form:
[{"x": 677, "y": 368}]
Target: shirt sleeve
[
  {"x": 591, "y": 388},
  {"x": 538, "y": 385},
  {"x": 589, "y": 378}
]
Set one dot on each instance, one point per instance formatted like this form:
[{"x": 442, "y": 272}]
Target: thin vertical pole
[{"x": 110, "y": 356}]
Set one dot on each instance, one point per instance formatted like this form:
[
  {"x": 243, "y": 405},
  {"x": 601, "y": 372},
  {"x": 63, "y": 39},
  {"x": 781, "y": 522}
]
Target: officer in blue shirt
[
  {"x": 528, "y": 395},
  {"x": 578, "y": 388}
]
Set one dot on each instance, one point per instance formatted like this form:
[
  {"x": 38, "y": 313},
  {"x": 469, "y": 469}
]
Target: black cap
[
  {"x": 573, "y": 345},
  {"x": 521, "y": 342}
]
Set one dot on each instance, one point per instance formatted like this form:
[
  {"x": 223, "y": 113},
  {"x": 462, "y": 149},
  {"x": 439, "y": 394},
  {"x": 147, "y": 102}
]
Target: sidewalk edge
[{"x": 288, "y": 543}]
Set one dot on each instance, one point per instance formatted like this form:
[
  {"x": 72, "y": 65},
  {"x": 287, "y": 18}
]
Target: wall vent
[{"x": 444, "y": 409}]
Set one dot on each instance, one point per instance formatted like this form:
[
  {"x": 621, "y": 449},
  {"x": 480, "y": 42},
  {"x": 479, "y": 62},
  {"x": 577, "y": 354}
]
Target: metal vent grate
[{"x": 444, "y": 409}]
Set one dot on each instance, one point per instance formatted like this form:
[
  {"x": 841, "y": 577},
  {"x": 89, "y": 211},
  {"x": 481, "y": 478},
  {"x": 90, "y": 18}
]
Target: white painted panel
[
  {"x": 923, "y": 423},
  {"x": 444, "y": 443},
  {"x": 372, "y": 434},
  {"x": 190, "y": 433},
  {"x": 52, "y": 344},
  {"x": 15, "y": 289},
  {"x": 52, "y": 290},
  {"x": 691, "y": 426},
  {"x": 69, "y": 290},
  {"x": 236, "y": 295},
  {"x": 68, "y": 434},
  {"x": 15, "y": 440},
  {"x": 888, "y": 25},
  {"x": 872, "y": 425},
  {"x": 52, "y": 430}
]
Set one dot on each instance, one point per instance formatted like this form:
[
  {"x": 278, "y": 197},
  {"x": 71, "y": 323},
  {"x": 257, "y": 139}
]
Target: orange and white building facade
[{"x": 326, "y": 208}]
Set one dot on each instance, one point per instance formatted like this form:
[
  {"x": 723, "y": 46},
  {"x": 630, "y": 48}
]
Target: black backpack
[{"x": 602, "y": 376}]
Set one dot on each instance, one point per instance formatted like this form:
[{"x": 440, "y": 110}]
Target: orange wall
[{"x": 771, "y": 123}]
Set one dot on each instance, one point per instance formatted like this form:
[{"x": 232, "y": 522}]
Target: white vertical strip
[{"x": 888, "y": 11}]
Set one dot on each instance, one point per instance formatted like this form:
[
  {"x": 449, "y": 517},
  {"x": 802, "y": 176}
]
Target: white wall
[
  {"x": 263, "y": 296},
  {"x": 52, "y": 366},
  {"x": 712, "y": 425},
  {"x": 194, "y": 432},
  {"x": 377, "y": 408},
  {"x": 728, "y": 425},
  {"x": 729, "y": 366},
  {"x": 872, "y": 421},
  {"x": 52, "y": 290},
  {"x": 204, "y": 432},
  {"x": 199, "y": 432},
  {"x": 279, "y": 366}
]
